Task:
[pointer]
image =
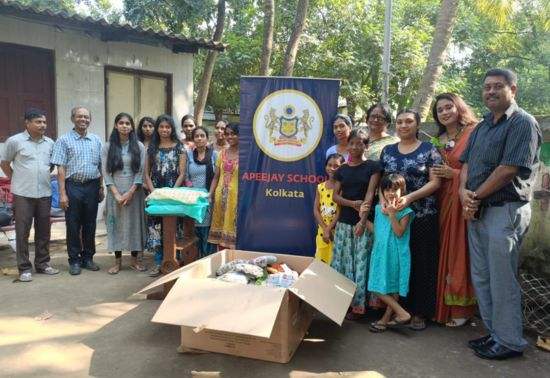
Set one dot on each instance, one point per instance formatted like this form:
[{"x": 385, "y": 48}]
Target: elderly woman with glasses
[
  {"x": 378, "y": 121},
  {"x": 341, "y": 127}
]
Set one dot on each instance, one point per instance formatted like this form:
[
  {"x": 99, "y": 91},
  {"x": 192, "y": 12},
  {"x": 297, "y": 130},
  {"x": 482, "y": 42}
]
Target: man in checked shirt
[{"x": 77, "y": 155}]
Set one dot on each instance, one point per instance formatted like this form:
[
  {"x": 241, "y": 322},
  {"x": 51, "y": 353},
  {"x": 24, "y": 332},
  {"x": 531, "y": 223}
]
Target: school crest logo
[{"x": 288, "y": 125}]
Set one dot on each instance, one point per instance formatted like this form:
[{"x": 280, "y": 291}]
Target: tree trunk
[
  {"x": 204, "y": 84},
  {"x": 294, "y": 41},
  {"x": 267, "y": 47},
  {"x": 432, "y": 72}
]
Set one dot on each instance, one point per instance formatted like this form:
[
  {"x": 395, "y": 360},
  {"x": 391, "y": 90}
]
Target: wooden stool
[{"x": 187, "y": 247}]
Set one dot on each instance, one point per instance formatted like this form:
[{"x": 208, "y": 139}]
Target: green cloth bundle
[{"x": 175, "y": 206}]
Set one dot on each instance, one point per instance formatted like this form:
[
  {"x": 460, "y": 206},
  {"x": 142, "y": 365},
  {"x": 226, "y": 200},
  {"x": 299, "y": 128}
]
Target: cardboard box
[{"x": 246, "y": 320}]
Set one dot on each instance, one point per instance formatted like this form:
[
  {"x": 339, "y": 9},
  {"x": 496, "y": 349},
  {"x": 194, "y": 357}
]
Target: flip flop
[
  {"x": 396, "y": 323},
  {"x": 543, "y": 343},
  {"x": 457, "y": 322},
  {"x": 418, "y": 325},
  {"x": 114, "y": 270},
  {"x": 138, "y": 268},
  {"x": 376, "y": 327},
  {"x": 155, "y": 272}
]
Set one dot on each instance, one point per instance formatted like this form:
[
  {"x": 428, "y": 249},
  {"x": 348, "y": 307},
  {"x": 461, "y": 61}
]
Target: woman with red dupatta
[{"x": 455, "y": 301}]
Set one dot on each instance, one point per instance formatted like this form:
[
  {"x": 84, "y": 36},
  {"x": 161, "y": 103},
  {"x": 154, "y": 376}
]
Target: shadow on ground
[{"x": 90, "y": 325}]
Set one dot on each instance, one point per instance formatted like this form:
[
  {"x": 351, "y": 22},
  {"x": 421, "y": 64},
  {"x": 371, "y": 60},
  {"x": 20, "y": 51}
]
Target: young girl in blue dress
[
  {"x": 355, "y": 183},
  {"x": 390, "y": 263}
]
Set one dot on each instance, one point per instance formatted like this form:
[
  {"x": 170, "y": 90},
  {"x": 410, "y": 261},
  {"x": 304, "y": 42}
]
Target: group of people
[
  {"x": 130, "y": 165},
  {"x": 432, "y": 230}
]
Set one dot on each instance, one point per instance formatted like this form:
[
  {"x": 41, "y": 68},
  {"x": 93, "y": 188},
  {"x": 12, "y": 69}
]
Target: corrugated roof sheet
[{"x": 108, "y": 31}]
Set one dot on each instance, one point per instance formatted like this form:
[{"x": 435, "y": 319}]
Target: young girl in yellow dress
[{"x": 326, "y": 210}]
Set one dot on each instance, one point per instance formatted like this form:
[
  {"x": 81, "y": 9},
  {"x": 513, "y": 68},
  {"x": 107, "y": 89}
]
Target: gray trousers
[
  {"x": 495, "y": 242},
  {"x": 25, "y": 210}
]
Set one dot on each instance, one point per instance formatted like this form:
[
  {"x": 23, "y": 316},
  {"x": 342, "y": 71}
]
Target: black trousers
[{"x": 81, "y": 217}]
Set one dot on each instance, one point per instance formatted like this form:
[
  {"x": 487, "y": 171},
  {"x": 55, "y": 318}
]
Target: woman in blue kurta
[{"x": 201, "y": 162}]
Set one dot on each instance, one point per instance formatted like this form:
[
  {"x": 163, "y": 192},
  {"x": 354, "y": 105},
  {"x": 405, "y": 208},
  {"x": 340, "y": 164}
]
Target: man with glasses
[
  {"x": 500, "y": 162},
  {"x": 77, "y": 155}
]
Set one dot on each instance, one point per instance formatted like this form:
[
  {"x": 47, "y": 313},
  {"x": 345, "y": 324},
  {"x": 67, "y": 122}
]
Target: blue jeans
[
  {"x": 495, "y": 241},
  {"x": 204, "y": 248}
]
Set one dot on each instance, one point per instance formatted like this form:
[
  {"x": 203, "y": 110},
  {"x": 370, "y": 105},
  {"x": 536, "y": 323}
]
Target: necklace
[{"x": 452, "y": 141}]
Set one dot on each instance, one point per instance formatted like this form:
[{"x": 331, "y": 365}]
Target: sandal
[
  {"x": 114, "y": 269},
  {"x": 418, "y": 324},
  {"x": 396, "y": 323},
  {"x": 457, "y": 322},
  {"x": 377, "y": 327},
  {"x": 543, "y": 343},
  {"x": 155, "y": 272},
  {"x": 138, "y": 267}
]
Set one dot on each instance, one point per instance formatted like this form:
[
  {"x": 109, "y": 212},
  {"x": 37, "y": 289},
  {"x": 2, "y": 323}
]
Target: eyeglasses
[{"x": 378, "y": 118}]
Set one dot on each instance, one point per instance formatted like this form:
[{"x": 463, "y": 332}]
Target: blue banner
[{"x": 285, "y": 130}]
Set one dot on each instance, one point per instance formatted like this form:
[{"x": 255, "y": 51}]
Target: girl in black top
[{"x": 356, "y": 183}]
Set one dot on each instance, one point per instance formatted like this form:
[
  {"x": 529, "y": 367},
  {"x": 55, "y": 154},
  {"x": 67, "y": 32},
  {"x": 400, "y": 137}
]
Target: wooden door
[
  {"x": 138, "y": 93},
  {"x": 26, "y": 81}
]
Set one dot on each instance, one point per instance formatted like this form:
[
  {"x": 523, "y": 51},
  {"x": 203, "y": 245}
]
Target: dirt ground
[{"x": 93, "y": 325}]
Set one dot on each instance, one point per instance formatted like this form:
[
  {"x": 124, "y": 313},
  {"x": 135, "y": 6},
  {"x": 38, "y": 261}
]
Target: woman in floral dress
[
  {"x": 164, "y": 167},
  {"x": 414, "y": 159}
]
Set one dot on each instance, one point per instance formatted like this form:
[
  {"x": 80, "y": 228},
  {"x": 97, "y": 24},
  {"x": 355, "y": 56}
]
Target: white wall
[{"x": 79, "y": 68}]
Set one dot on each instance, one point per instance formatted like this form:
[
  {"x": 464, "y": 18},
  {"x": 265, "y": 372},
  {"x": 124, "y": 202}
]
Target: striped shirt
[
  {"x": 31, "y": 165},
  {"x": 514, "y": 140},
  {"x": 80, "y": 155}
]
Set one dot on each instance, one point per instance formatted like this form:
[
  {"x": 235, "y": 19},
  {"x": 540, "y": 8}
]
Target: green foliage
[
  {"x": 68, "y": 5},
  {"x": 176, "y": 16},
  {"x": 522, "y": 44},
  {"x": 344, "y": 39}
]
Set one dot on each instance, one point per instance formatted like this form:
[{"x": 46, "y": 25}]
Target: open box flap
[
  {"x": 164, "y": 279},
  {"x": 222, "y": 306},
  {"x": 205, "y": 267},
  {"x": 325, "y": 289}
]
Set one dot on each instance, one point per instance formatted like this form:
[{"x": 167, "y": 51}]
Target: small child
[
  {"x": 390, "y": 263},
  {"x": 326, "y": 211}
]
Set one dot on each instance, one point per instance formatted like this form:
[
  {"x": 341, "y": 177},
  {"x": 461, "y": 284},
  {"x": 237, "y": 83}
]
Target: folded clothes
[
  {"x": 255, "y": 271},
  {"x": 235, "y": 277},
  {"x": 191, "y": 202},
  {"x": 230, "y": 266},
  {"x": 250, "y": 270},
  {"x": 183, "y": 195},
  {"x": 261, "y": 261}
]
